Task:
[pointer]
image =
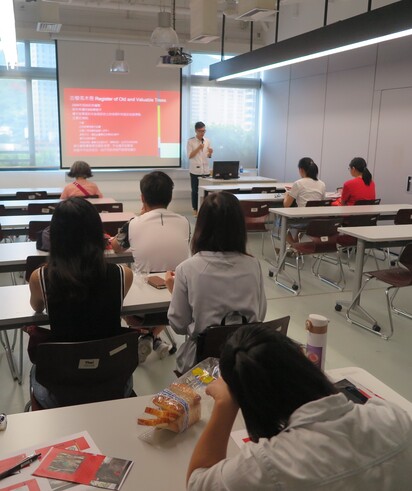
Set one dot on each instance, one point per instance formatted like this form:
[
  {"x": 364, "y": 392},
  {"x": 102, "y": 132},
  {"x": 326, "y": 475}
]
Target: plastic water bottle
[
  {"x": 317, "y": 328},
  {"x": 241, "y": 169}
]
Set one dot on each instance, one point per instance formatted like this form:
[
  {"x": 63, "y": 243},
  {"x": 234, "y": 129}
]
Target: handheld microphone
[{"x": 203, "y": 141}]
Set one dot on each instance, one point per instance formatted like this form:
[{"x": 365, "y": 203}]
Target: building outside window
[{"x": 29, "y": 127}]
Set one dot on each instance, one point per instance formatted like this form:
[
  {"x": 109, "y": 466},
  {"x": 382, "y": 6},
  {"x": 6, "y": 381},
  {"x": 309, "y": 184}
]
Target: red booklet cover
[{"x": 84, "y": 468}]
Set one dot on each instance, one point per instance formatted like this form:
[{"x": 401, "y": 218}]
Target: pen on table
[{"x": 24, "y": 463}]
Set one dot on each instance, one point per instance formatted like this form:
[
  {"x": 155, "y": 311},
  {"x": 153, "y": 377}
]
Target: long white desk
[
  {"x": 271, "y": 197},
  {"x": 16, "y": 312},
  {"x": 19, "y": 223},
  {"x": 384, "y": 236},
  {"x": 13, "y": 256},
  {"x": 10, "y": 193},
  {"x": 287, "y": 214},
  {"x": 243, "y": 187},
  {"x": 113, "y": 427},
  {"x": 13, "y": 205}
]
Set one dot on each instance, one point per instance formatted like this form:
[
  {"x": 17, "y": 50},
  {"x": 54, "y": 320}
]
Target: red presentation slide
[{"x": 120, "y": 122}]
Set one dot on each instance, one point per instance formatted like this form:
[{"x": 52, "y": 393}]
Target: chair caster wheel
[
  {"x": 172, "y": 350},
  {"x": 393, "y": 263},
  {"x": 271, "y": 274},
  {"x": 295, "y": 287},
  {"x": 338, "y": 307},
  {"x": 376, "y": 328}
]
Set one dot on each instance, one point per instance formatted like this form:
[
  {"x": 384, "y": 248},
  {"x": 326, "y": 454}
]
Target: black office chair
[
  {"x": 210, "y": 342},
  {"x": 31, "y": 195},
  {"x": 87, "y": 371},
  {"x": 323, "y": 235},
  {"x": 266, "y": 189},
  {"x": 109, "y": 207},
  {"x": 399, "y": 277},
  {"x": 257, "y": 218},
  {"x": 376, "y": 201},
  {"x": 319, "y": 202},
  {"x": 41, "y": 208},
  {"x": 112, "y": 228}
]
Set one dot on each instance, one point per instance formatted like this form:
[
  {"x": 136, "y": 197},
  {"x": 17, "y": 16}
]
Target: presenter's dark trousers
[{"x": 194, "y": 182}]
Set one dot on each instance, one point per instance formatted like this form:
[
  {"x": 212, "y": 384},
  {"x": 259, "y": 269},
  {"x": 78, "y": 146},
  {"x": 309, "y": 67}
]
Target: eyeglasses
[{"x": 201, "y": 131}]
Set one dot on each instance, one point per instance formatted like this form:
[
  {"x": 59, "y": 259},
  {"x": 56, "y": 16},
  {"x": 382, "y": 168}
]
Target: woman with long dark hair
[
  {"x": 219, "y": 279},
  {"x": 304, "y": 434},
  {"x": 82, "y": 293},
  {"x": 361, "y": 186},
  {"x": 308, "y": 187}
]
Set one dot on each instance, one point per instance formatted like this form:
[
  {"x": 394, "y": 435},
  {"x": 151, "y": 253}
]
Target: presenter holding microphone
[{"x": 198, "y": 152}]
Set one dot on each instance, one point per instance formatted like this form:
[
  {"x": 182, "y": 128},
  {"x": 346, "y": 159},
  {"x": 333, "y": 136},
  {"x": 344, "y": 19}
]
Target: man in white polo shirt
[
  {"x": 159, "y": 241},
  {"x": 198, "y": 151}
]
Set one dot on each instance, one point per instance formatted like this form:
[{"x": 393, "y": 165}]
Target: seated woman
[
  {"x": 361, "y": 187},
  {"x": 82, "y": 293},
  {"x": 220, "y": 277},
  {"x": 304, "y": 434},
  {"x": 81, "y": 187},
  {"x": 308, "y": 188}
]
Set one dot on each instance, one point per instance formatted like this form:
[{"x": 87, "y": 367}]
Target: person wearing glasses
[{"x": 199, "y": 151}]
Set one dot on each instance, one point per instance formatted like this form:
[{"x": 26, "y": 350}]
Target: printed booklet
[{"x": 84, "y": 468}]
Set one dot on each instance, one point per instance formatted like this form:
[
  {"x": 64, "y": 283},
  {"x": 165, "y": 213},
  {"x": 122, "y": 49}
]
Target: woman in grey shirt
[{"x": 220, "y": 277}]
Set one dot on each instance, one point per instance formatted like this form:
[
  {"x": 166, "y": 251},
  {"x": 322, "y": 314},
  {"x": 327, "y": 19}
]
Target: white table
[
  {"x": 244, "y": 187},
  {"x": 10, "y": 193},
  {"x": 380, "y": 235},
  {"x": 113, "y": 427},
  {"x": 16, "y": 312},
  {"x": 22, "y": 204},
  {"x": 18, "y": 224},
  {"x": 273, "y": 197},
  {"x": 13, "y": 256},
  {"x": 287, "y": 214}
]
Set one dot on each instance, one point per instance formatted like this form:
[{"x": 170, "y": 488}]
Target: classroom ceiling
[{"x": 133, "y": 21}]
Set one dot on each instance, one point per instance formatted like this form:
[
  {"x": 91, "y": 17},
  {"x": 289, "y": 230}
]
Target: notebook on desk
[{"x": 225, "y": 169}]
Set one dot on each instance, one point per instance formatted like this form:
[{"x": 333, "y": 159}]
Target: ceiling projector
[{"x": 176, "y": 57}]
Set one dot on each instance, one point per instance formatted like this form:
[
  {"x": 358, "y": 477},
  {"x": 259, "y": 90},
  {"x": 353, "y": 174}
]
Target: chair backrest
[
  {"x": 112, "y": 228},
  {"x": 34, "y": 227},
  {"x": 41, "y": 208},
  {"x": 323, "y": 229},
  {"x": 403, "y": 217},
  {"x": 210, "y": 342},
  {"x": 109, "y": 207},
  {"x": 31, "y": 195},
  {"x": 256, "y": 214},
  {"x": 32, "y": 263},
  {"x": 406, "y": 257},
  {"x": 268, "y": 189},
  {"x": 88, "y": 371},
  {"x": 360, "y": 220},
  {"x": 232, "y": 190},
  {"x": 368, "y": 202},
  {"x": 319, "y": 202}
]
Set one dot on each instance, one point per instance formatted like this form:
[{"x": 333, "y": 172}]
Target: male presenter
[{"x": 198, "y": 151}]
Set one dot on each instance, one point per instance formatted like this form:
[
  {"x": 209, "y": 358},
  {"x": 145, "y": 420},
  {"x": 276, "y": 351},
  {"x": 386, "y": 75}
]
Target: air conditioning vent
[
  {"x": 203, "y": 38},
  {"x": 58, "y": 1},
  {"x": 51, "y": 27},
  {"x": 256, "y": 15}
]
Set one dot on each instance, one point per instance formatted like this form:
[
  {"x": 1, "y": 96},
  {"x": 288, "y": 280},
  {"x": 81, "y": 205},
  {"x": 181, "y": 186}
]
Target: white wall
[{"x": 357, "y": 103}]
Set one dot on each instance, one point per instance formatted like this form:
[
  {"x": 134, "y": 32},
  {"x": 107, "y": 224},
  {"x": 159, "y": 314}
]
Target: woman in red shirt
[{"x": 361, "y": 187}]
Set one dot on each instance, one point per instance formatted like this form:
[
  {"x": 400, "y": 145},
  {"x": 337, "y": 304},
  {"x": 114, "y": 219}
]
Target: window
[
  {"x": 229, "y": 109},
  {"x": 29, "y": 128}
]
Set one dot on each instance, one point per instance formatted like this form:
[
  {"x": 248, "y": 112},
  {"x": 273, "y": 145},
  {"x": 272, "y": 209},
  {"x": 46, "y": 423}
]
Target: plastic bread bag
[{"x": 179, "y": 406}]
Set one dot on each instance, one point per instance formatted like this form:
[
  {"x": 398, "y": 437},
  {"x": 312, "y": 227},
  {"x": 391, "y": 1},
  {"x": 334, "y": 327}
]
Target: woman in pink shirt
[
  {"x": 361, "y": 187},
  {"x": 81, "y": 187}
]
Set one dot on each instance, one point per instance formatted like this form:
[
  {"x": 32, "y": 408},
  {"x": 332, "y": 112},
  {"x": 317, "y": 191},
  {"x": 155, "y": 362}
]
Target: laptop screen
[{"x": 225, "y": 169}]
